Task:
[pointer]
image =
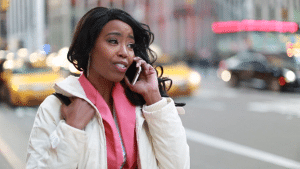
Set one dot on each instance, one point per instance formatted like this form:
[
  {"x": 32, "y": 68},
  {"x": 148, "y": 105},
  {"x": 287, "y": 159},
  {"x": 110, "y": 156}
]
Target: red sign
[{"x": 254, "y": 25}]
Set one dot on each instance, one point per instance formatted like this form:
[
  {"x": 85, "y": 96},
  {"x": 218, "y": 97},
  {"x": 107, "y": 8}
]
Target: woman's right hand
[{"x": 78, "y": 114}]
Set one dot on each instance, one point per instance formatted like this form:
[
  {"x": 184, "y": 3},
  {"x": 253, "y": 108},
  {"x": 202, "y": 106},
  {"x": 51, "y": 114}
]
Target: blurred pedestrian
[{"x": 109, "y": 123}]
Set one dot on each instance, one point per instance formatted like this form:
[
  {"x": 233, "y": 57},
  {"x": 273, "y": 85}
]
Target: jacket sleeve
[
  {"x": 168, "y": 135},
  {"x": 53, "y": 143}
]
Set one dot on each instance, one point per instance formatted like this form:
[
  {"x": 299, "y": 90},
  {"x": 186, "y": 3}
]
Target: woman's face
[{"x": 113, "y": 51}]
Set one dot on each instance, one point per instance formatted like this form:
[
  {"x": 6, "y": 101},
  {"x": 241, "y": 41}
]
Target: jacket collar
[{"x": 70, "y": 87}]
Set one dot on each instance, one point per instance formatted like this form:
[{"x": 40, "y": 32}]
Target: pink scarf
[{"x": 125, "y": 113}]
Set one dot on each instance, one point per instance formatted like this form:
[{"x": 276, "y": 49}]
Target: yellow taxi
[
  {"x": 185, "y": 80},
  {"x": 27, "y": 83}
]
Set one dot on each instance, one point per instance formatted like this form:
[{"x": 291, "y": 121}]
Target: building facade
[
  {"x": 265, "y": 42},
  {"x": 4, "y": 5},
  {"x": 181, "y": 27},
  {"x": 26, "y": 25}
]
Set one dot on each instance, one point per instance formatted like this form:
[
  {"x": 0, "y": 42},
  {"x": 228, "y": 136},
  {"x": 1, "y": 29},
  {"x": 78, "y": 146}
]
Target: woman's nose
[{"x": 123, "y": 51}]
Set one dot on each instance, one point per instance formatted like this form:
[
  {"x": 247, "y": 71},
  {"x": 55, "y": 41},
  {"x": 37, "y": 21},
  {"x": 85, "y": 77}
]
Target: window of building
[
  {"x": 296, "y": 5},
  {"x": 46, "y": 14},
  {"x": 111, "y": 4},
  {"x": 220, "y": 12},
  {"x": 258, "y": 12},
  {"x": 3, "y": 29},
  {"x": 284, "y": 14},
  {"x": 271, "y": 13},
  {"x": 233, "y": 10}
]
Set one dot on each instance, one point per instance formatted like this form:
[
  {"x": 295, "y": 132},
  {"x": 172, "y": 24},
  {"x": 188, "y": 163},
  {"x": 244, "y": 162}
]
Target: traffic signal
[{"x": 4, "y": 5}]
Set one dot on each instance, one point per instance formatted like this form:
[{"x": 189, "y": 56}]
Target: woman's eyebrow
[
  {"x": 119, "y": 34},
  {"x": 131, "y": 37},
  {"x": 114, "y": 33}
]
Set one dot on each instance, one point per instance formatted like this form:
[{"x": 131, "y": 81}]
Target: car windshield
[
  {"x": 297, "y": 60},
  {"x": 281, "y": 60},
  {"x": 27, "y": 69}
]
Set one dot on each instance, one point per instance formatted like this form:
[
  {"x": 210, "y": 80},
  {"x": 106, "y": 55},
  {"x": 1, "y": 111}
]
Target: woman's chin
[{"x": 117, "y": 80}]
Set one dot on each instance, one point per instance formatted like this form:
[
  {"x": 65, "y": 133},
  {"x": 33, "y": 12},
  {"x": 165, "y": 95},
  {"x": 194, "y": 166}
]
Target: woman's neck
[{"x": 104, "y": 87}]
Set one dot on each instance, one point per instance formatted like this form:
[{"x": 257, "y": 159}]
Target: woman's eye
[
  {"x": 113, "y": 41},
  {"x": 131, "y": 45}
]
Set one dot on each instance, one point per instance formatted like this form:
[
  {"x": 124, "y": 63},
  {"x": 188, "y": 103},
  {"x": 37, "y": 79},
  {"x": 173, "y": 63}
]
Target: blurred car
[
  {"x": 59, "y": 62},
  {"x": 276, "y": 72},
  {"x": 185, "y": 80},
  {"x": 27, "y": 84},
  {"x": 2, "y": 60}
]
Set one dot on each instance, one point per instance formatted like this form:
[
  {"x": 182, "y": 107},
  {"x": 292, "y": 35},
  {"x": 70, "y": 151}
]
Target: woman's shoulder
[
  {"x": 49, "y": 109},
  {"x": 50, "y": 102},
  {"x": 70, "y": 87}
]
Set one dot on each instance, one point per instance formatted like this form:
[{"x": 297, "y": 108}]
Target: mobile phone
[{"x": 133, "y": 73}]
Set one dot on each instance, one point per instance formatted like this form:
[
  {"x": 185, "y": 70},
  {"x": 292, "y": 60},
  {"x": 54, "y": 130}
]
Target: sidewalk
[{"x": 4, "y": 163}]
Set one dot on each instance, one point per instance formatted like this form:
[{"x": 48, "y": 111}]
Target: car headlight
[
  {"x": 225, "y": 75},
  {"x": 20, "y": 87},
  {"x": 15, "y": 87},
  {"x": 8, "y": 64},
  {"x": 194, "y": 78},
  {"x": 289, "y": 75}
]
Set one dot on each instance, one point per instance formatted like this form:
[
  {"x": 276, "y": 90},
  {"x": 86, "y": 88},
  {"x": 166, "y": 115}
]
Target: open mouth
[{"x": 121, "y": 67}]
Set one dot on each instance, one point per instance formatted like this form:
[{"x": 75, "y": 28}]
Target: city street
[
  {"x": 239, "y": 127},
  {"x": 242, "y": 128},
  {"x": 226, "y": 128}
]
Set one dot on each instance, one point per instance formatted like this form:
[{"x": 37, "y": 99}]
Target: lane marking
[
  {"x": 25, "y": 112},
  {"x": 10, "y": 156},
  {"x": 211, "y": 105},
  {"x": 240, "y": 149},
  {"x": 212, "y": 93},
  {"x": 286, "y": 107}
]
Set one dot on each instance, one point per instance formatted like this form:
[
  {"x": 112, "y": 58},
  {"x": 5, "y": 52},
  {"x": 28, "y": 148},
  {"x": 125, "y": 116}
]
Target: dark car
[{"x": 276, "y": 72}]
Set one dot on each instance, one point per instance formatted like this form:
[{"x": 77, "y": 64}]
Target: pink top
[{"x": 125, "y": 113}]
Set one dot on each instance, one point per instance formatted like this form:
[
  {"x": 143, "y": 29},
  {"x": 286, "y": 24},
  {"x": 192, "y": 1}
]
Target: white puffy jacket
[{"x": 161, "y": 137}]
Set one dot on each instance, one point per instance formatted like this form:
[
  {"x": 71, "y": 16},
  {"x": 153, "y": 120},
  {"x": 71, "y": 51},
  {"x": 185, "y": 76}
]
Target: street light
[
  {"x": 4, "y": 5},
  {"x": 191, "y": 2}
]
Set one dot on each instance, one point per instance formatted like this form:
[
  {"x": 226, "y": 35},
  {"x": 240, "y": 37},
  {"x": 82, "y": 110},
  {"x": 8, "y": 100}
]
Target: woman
[{"x": 110, "y": 123}]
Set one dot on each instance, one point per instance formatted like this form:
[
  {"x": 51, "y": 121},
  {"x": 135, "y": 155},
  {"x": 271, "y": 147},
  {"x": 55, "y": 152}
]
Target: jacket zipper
[
  {"x": 138, "y": 130},
  {"x": 121, "y": 140}
]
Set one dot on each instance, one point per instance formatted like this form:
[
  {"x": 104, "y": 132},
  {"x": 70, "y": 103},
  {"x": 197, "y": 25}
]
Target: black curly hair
[{"x": 88, "y": 30}]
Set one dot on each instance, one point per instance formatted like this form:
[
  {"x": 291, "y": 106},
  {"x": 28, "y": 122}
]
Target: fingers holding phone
[
  {"x": 133, "y": 73},
  {"x": 146, "y": 77},
  {"x": 142, "y": 63},
  {"x": 134, "y": 70}
]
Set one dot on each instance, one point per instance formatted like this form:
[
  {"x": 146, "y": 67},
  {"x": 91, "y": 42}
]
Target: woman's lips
[{"x": 121, "y": 67}]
